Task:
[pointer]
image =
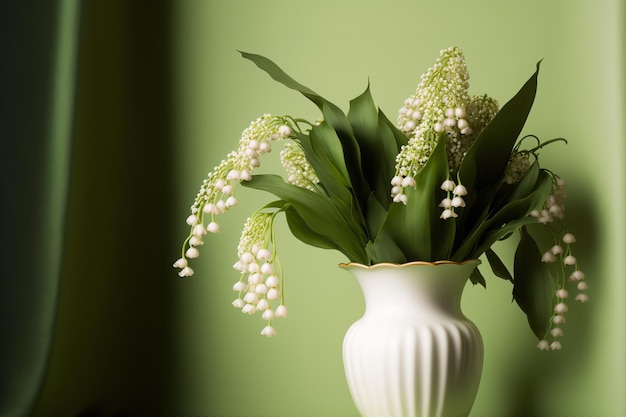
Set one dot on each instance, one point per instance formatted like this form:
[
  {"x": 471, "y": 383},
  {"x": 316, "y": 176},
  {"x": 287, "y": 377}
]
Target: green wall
[{"x": 334, "y": 47}]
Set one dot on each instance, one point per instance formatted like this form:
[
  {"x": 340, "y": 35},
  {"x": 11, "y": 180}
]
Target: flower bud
[
  {"x": 199, "y": 230},
  {"x": 562, "y": 293},
  {"x": 400, "y": 198},
  {"x": 263, "y": 255},
  {"x": 247, "y": 258},
  {"x": 281, "y": 311},
  {"x": 569, "y": 260},
  {"x": 245, "y": 175},
  {"x": 231, "y": 201},
  {"x": 185, "y": 272},
  {"x": 260, "y": 289},
  {"x": 396, "y": 181},
  {"x": 408, "y": 182},
  {"x": 569, "y": 238},
  {"x": 180, "y": 263},
  {"x": 555, "y": 345},
  {"x": 213, "y": 227},
  {"x": 284, "y": 131},
  {"x": 273, "y": 294},
  {"x": 460, "y": 190},
  {"x": 272, "y": 281},
  {"x": 577, "y": 275},
  {"x": 267, "y": 268},
  {"x": 255, "y": 279},
  {"x": 192, "y": 253},
  {"x": 263, "y": 305},
  {"x": 543, "y": 345},
  {"x": 446, "y": 203},
  {"x": 556, "y": 249},
  {"x": 556, "y": 332},
  {"x": 448, "y": 185},
  {"x": 560, "y": 308},
  {"x": 582, "y": 297},
  {"x": 233, "y": 175},
  {"x": 248, "y": 309},
  {"x": 268, "y": 331},
  {"x": 458, "y": 202}
]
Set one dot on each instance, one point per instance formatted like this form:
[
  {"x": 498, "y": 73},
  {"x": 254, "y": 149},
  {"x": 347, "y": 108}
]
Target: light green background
[{"x": 334, "y": 47}]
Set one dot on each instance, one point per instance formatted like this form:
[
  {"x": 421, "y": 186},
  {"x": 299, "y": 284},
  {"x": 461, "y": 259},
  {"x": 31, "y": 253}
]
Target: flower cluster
[
  {"x": 440, "y": 104},
  {"x": 553, "y": 207},
  {"x": 565, "y": 264},
  {"x": 454, "y": 198},
  {"x": 298, "y": 169},
  {"x": 217, "y": 193},
  {"x": 519, "y": 163},
  {"x": 260, "y": 283},
  {"x": 562, "y": 258}
]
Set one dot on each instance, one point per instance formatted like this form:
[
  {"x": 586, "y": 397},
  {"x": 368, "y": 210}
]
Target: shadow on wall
[{"x": 538, "y": 384}]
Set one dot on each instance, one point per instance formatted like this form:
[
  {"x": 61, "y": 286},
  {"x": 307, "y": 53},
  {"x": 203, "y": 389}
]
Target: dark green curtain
[
  {"x": 33, "y": 188},
  {"x": 87, "y": 297}
]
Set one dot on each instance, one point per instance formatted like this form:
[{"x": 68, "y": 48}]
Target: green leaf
[
  {"x": 301, "y": 231},
  {"x": 483, "y": 166},
  {"x": 326, "y": 146},
  {"x": 279, "y": 75},
  {"x": 497, "y": 266},
  {"x": 533, "y": 285},
  {"x": 477, "y": 278},
  {"x": 333, "y": 115},
  {"x": 526, "y": 185},
  {"x": 376, "y": 215},
  {"x": 384, "y": 249},
  {"x": 416, "y": 227},
  {"x": 319, "y": 213},
  {"x": 377, "y": 144},
  {"x": 487, "y": 158},
  {"x": 504, "y": 221}
]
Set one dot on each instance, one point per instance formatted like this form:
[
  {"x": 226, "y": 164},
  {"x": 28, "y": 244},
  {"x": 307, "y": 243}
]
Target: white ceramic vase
[{"x": 413, "y": 353}]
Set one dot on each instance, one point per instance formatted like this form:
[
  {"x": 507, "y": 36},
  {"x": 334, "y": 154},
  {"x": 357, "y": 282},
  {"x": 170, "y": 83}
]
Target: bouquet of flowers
[{"x": 447, "y": 181}]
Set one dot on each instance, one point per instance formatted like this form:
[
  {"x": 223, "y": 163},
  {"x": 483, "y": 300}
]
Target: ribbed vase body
[{"x": 413, "y": 353}]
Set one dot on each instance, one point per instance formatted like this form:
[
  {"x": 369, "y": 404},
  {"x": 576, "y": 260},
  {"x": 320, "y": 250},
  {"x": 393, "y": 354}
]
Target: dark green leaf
[
  {"x": 279, "y": 75},
  {"x": 533, "y": 285},
  {"x": 320, "y": 214},
  {"x": 384, "y": 249},
  {"x": 376, "y": 215},
  {"x": 497, "y": 266},
  {"x": 483, "y": 166},
  {"x": 416, "y": 227},
  {"x": 477, "y": 278},
  {"x": 377, "y": 144},
  {"x": 504, "y": 221},
  {"x": 301, "y": 231},
  {"x": 327, "y": 147},
  {"x": 487, "y": 158}
]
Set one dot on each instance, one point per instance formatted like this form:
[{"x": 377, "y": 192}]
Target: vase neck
[{"x": 413, "y": 287}]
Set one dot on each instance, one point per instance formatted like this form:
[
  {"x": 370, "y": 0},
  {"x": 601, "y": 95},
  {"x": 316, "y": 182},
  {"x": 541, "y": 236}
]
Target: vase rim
[{"x": 407, "y": 264}]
